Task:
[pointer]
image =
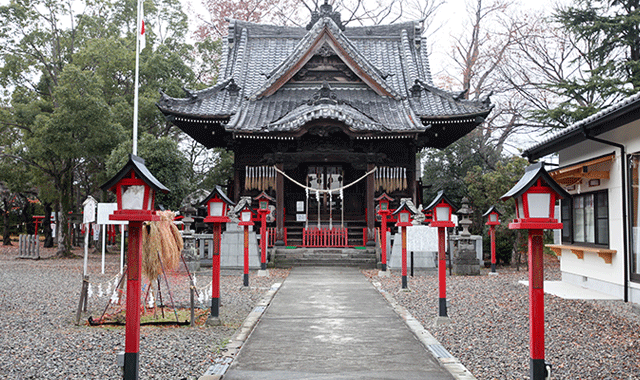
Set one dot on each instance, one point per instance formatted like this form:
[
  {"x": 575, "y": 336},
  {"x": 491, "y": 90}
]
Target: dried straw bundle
[
  {"x": 151, "y": 245},
  {"x": 160, "y": 241}
]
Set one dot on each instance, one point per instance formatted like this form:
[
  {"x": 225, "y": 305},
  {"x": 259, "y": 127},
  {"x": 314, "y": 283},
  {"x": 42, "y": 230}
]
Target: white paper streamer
[{"x": 152, "y": 301}]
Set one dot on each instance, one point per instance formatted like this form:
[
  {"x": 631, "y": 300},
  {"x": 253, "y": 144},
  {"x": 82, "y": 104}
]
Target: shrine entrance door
[{"x": 327, "y": 207}]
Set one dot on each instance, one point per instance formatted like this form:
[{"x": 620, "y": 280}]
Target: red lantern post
[
  {"x": 217, "y": 204},
  {"x": 535, "y": 197},
  {"x": 493, "y": 220},
  {"x": 442, "y": 208},
  {"x": 263, "y": 210},
  {"x": 404, "y": 220},
  {"x": 246, "y": 220},
  {"x": 135, "y": 189},
  {"x": 384, "y": 211}
]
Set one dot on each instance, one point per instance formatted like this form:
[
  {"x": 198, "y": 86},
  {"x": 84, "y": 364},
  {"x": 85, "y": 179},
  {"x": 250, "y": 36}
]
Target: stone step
[{"x": 363, "y": 258}]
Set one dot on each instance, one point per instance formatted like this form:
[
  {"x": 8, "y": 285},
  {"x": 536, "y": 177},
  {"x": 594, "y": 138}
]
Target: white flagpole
[{"x": 135, "y": 96}]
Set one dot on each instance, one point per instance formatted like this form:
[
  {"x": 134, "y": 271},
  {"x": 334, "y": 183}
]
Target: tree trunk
[
  {"x": 65, "y": 202},
  {"x": 46, "y": 226},
  {"x": 6, "y": 235},
  {"x": 62, "y": 234},
  {"x": 27, "y": 213}
]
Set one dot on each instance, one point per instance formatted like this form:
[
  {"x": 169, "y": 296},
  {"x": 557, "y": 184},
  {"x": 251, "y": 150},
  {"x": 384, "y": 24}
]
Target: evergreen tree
[{"x": 606, "y": 35}]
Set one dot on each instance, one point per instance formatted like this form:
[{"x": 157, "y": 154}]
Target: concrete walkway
[{"x": 331, "y": 323}]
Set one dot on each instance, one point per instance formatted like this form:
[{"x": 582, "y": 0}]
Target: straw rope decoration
[
  {"x": 160, "y": 241},
  {"x": 259, "y": 177},
  {"x": 404, "y": 178},
  {"x": 325, "y": 190}
]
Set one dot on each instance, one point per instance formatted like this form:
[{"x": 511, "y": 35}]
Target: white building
[{"x": 599, "y": 161}]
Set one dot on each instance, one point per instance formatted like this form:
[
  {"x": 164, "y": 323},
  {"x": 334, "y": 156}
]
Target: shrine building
[{"x": 325, "y": 119}]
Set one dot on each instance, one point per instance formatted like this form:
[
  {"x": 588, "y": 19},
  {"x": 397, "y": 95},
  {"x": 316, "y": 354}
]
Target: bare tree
[
  {"x": 479, "y": 55},
  {"x": 551, "y": 69}
]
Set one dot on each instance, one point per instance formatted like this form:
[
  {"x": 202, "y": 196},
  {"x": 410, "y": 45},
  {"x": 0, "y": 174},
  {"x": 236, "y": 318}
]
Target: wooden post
[
  {"x": 82, "y": 305},
  {"x": 279, "y": 206},
  {"x": 246, "y": 256},
  {"x": 371, "y": 217},
  {"x": 215, "y": 269},
  {"x": 442, "y": 272},
  {"x": 492, "y": 233},
  {"x": 536, "y": 306},
  {"x": 404, "y": 257},
  {"x": 132, "y": 329},
  {"x": 192, "y": 304}
]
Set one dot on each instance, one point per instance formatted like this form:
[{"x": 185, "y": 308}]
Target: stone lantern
[{"x": 465, "y": 261}]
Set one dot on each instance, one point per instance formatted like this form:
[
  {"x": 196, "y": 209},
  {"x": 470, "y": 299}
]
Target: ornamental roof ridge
[
  {"x": 314, "y": 38},
  {"x": 408, "y": 58},
  {"x": 192, "y": 95},
  {"x": 419, "y": 85},
  {"x": 326, "y": 11},
  {"x": 238, "y": 72}
]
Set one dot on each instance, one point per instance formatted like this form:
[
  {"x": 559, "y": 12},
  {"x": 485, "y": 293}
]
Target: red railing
[
  {"x": 324, "y": 237},
  {"x": 271, "y": 233}
]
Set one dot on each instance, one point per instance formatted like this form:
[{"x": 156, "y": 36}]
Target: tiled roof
[
  {"x": 597, "y": 123},
  {"x": 361, "y": 109},
  {"x": 393, "y": 56}
]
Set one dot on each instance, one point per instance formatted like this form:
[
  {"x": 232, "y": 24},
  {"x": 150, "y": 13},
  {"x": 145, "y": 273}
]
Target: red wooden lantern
[
  {"x": 404, "y": 215},
  {"x": 263, "y": 209},
  {"x": 383, "y": 201},
  {"x": 535, "y": 196},
  {"x": 217, "y": 205},
  {"x": 263, "y": 202},
  {"x": 493, "y": 216},
  {"x": 442, "y": 209},
  {"x": 246, "y": 216},
  {"x": 135, "y": 189},
  {"x": 384, "y": 211}
]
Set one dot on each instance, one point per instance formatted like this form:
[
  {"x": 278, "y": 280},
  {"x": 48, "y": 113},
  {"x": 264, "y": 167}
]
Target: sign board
[
  {"x": 300, "y": 206},
  {"x": 301, "y": 217},
  {"x": 106, "y": 209},
  {"x": 89, "y": 214},
  {"x": 422, "y": 239}
]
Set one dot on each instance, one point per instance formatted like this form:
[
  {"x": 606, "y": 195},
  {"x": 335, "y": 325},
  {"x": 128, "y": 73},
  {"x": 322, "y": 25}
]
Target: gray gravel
[
  {"x": 39, "y": 339},
  {"x": 489, "y": 332}
]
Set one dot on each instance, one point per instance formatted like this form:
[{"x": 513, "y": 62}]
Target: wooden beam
[{"x": 279, "y": 206}]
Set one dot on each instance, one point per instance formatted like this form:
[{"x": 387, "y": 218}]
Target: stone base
[
  {"x": 465, "y": 263},
  {"x": 213, "y": 321},
  {"x": 384, "y": 273},
  {"x": 263, "y": 273},
  {"x": 493, "y": 273},
  {"x": 232, "y": 248},
  {"x": 441, "y": 321}
]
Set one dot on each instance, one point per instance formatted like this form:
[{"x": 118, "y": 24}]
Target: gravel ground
[
  {"x": 489, "y": 332},
  {"x": 39, "y": 340}
]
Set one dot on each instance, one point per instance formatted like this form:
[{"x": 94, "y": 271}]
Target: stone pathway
[{"x": 331, "y": 323}]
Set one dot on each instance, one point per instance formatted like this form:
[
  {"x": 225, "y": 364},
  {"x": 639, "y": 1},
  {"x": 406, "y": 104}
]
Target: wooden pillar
[
  {"x": 279, "y": 206},
  {"x": 237, "y": 180},
  {"x": 371, "y": 218},
  {"x": 412, "y": 171}
]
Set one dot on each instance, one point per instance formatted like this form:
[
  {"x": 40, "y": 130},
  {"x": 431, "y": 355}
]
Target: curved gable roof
[
  {"x": 393, "y": 91},
  {"x": 327, "y": 32}
]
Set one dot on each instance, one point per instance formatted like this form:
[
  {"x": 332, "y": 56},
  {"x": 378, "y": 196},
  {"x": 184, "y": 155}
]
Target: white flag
[{"x": 140, "y": 35}]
